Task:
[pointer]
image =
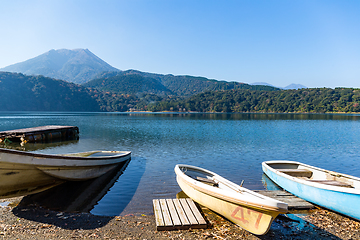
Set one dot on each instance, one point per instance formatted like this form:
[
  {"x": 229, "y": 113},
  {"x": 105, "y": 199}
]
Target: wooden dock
[
  {"x": 294, "y": 203},
  {"x": 40, "y": 134},
  {"x": 176, "y": 214}
]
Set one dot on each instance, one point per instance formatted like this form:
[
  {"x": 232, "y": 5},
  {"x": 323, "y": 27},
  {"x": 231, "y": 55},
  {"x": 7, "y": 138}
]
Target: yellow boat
[{"x": 251, "y": 211}]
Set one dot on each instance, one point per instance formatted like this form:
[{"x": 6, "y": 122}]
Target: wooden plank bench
[
  {"x": 207, "y": 181},
  {"x": 297, "y": 172},
  {"x": 177, "y": 214},
  {"x": 306, "y": 174},
  {"x": 333, "y": 183}
]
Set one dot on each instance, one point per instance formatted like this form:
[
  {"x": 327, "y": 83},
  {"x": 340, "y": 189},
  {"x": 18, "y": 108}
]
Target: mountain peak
[
  {"x": 77, "y": 65},
  {"x": 295, "y": 86}
]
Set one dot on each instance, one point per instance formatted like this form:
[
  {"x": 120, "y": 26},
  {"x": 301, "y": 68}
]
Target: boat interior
[
  {"x": 206, "y": 178},
  {"x": 224, "y": 184},
  {"x": 214, "y": 181},
  {"x": 94, "y": 154},
  {"x": 199, "y": 175},
  {"x": 316, "y": 175}
]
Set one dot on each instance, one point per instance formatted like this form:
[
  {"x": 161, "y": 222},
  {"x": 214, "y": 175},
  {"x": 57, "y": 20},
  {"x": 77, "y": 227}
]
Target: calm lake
[{"x": 232, "y": 145}]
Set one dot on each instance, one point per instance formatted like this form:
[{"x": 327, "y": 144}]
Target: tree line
[{"x": 314, "y": 100}]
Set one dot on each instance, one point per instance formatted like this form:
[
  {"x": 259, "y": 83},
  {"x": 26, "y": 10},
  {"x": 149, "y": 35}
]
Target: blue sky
[{"x": 311, "y": 42}]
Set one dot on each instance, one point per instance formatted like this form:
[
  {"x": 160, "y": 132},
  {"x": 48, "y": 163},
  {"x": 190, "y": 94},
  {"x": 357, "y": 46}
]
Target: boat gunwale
[
  {"x": 206, "y": 189},
  {"x": 58, "y": 156},
  {"x": 320, "y": 185}
]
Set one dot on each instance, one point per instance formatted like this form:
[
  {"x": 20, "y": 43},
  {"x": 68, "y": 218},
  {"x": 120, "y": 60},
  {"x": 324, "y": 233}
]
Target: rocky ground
[{"x": 34, "y": 222}]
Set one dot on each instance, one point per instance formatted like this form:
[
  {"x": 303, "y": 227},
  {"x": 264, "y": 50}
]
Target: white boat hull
[{"x": 25, "y": 172}]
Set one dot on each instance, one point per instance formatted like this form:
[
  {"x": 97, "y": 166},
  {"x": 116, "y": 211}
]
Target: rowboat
[
  {"x": 27, "y": 172},
  {"x": 251, "y": 211},
  {"x": 332, "y": 190}
]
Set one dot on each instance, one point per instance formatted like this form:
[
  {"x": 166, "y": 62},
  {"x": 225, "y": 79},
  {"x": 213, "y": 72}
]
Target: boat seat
[
  {"x": 333, "y": 183},
  {"x": 207, "y": 180},
  {"x": 296, "y": 172}
]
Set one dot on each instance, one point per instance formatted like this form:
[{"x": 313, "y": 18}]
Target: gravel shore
[{"x": 34, "y": 222}]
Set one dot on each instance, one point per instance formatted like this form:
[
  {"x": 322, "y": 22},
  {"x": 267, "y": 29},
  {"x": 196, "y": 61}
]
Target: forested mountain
[
  {"x": 129, "y": 84},
  {"x": 171, "y": 85},
  {"x": 78, "y": 65},
  {"x": 317, "y": 100},
  {"x": 37, "y": 93}
]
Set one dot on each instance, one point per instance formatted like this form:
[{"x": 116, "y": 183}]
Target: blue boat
[{"x": 332, "y": 190}]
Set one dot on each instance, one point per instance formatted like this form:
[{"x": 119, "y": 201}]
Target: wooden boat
[
  {"x": 252, "y": 211},
  {"x": 27, "y": 172},
  {"x": 332, "y": 190}
]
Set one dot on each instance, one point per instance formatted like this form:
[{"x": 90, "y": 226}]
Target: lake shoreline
[{"x": 35, "y": 222}]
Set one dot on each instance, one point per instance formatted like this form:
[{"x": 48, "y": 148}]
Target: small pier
[
  {"x": 294, "y": 203},
  {"x": 176, "y": 214},
  {"x": 40, "y": 134}
]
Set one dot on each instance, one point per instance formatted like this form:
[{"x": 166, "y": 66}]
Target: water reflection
[
  {"x": 269, "y": 184},
  {"x": 119, "y": 199},
  {"x": 76, "y": 196}
]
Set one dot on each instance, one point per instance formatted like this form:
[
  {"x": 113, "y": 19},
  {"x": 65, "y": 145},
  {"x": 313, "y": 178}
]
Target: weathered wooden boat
[
  {"x": 27, "y": 172},
  {"x": 252, "y": 211},
  {"x": 332, "y": 190}
]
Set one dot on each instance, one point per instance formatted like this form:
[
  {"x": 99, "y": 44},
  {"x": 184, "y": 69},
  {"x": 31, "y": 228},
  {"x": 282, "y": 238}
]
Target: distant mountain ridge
[
  {"x": 288, "y": 87},
  {"x": 133, "y": 81},
  {"x": 295, "y": 86},
  {"x": 262, "y": 83},
  {"x": 77, "y": 66},
  {"x": 81, "y": 66}
]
